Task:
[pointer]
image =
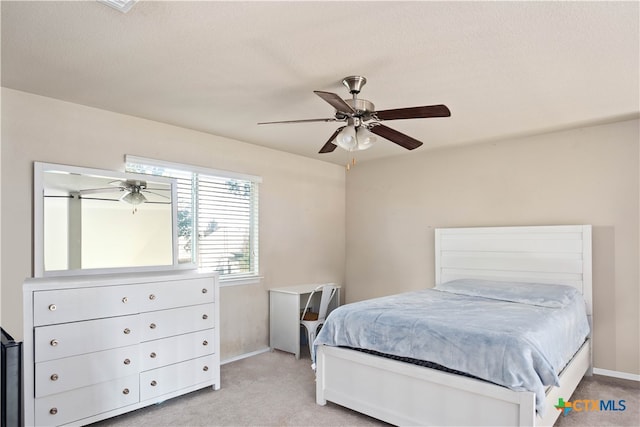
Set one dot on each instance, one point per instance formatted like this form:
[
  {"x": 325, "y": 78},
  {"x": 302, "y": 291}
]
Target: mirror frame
[{"x": 39, "y": 169}]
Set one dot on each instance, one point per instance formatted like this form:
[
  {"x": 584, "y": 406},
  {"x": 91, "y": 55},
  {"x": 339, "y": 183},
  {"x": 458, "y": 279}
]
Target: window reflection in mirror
[{"x": 91, "y": 220}]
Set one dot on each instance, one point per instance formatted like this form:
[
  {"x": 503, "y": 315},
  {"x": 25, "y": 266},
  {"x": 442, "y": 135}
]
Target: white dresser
[{"x": 101, "y": 345}]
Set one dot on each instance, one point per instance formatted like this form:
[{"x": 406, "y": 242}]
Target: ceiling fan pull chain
[{"x": 351, "y": 163}]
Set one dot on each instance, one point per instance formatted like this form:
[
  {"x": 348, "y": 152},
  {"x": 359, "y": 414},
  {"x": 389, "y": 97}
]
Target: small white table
[{"x": 285, "y": 306}]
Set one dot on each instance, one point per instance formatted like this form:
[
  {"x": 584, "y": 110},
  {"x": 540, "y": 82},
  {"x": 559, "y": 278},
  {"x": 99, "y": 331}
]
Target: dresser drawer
[
  {"x": 175, "y": 377},
  {"x": 71, "y": 339},
  {"x": 167, "y": 351},
  {"x": 167, "y": 323},
  {"x": 69, "y": 305},
  {"x": 56, "y": 376},
  {"x": 177, "y": 293},
  {"x": 84, "y": 402}
]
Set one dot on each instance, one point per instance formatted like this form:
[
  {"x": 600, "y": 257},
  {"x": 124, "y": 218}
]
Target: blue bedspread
[{"x": 517, "y": 336}]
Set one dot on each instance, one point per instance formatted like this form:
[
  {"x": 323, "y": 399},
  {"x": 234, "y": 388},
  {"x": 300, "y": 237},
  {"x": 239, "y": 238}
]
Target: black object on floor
[{"x": 11, "y": 381}]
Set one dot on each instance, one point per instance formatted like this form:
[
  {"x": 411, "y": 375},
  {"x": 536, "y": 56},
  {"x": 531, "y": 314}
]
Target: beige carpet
[
  {"x": 275, "y": 389},
  {"x": 598, "y": 388}
]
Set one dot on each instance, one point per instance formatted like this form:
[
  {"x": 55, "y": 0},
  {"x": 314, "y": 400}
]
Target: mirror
[{"x": 94, "y": 221}]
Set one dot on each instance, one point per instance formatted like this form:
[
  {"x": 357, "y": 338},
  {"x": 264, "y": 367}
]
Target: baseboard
[
  {"x": 616, "y": 374},
  {"x": 244, "y": 356}
]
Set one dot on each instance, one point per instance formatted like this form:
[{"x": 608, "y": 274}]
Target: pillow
[{"x": 540, "y": 294}]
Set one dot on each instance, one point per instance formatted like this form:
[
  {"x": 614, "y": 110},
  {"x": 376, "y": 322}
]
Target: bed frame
[{"x": 406, "y": 394}]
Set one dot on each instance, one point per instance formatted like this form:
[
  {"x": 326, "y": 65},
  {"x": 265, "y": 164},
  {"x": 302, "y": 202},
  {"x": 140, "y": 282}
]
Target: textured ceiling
[{"x": 503, "y": 68}]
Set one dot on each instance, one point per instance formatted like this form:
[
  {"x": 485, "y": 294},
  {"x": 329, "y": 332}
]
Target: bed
[{"x": 407, "y": 394}]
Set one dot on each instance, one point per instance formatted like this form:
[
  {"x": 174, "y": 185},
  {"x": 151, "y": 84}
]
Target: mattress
[{"x": 512, "y": 334}]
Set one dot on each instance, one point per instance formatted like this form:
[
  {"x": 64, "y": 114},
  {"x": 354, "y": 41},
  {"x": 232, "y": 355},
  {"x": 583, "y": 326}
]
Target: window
[{"x": 217, "y": 216}]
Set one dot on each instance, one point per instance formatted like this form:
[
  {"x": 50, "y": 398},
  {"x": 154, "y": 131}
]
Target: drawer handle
[
  {"x": 205, "y": 342},
  {"x": 205, "y": 317},
  {"x": 205, "y": 368},
  {"x": 152, "y": 326},
  {"x": 204, "y": 290},
  {"x": 53, "y": 411},
  {"x": 127, "y": 331},
  {"x": 54, "y": 377},
  {"x": 125, "y": 391},
  {"x": 53, "y": 342},
  {"x": 152, "y": 297},
  {"x": 154, "y": 383},
  {"x": 152, "y": 355},
  {"x": 127, "y": 361},
  {"x": 52, "y": 307},
  {"x": 125, "y": 300}
]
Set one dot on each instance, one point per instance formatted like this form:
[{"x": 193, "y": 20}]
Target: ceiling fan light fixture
[
  {"x": 365, "y": 138},
  {"x": 134, "y": 198},
  {"x": 361, "y": 116},
  {"x": 346, "y": 139}
]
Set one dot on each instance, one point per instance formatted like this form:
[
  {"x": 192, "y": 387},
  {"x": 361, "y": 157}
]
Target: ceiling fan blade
[
  {"x": 330, "y": 119},
  {"x": 157, "y": 194},
  {"x": 424, "y": 112},
  {"x": 128, "y": 183},
  {"x": 329, "y": 146},
  {"x": 335, "y": 101},
  {"x": 394, "y": 136},
  {"x": 101, "y": 190}
]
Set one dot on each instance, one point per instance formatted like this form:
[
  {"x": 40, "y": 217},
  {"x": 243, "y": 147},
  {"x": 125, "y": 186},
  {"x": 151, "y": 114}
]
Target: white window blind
[{"x": 217, "y": 216}]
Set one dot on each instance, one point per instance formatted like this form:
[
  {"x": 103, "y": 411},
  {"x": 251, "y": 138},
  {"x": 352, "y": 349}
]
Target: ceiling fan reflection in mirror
[
  {"x": 133, "y": 192},
  {"x": 363, "y": 121}
]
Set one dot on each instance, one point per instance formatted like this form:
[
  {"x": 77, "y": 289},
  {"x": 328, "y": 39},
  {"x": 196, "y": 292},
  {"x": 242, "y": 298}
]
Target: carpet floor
[{"x": 275, "y": 389}]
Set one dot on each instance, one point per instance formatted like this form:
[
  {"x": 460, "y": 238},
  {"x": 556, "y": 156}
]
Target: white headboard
[{"x": 558, "y": 254}]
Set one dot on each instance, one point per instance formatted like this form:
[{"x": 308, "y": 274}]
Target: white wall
[
  {"x": 302, "y": 201},
  {"x": 583, "y": 176}
]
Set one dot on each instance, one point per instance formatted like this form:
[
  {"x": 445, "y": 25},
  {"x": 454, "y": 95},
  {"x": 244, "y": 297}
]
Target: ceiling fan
[
  {"x": 362, "y": 120},
  {"x": 133, "y": 191}
]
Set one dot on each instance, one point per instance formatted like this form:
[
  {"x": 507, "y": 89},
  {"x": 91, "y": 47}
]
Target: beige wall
[
  {"x": 583, "y": 176},
  {"x": 302, "y": 201}
]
